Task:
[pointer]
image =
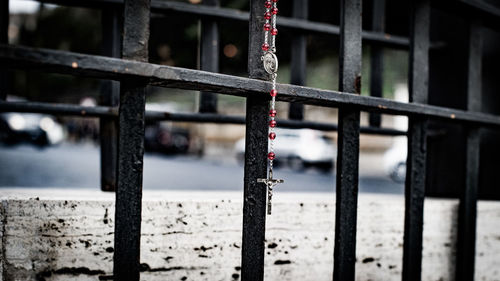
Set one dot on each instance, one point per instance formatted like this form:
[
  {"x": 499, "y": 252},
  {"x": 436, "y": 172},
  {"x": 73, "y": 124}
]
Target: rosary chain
[
  {"x": 270, "y": 27},
  {"x": 270, "y": 62}
]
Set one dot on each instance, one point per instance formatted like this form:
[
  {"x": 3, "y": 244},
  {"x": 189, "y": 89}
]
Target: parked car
[
  {"x": 34, "y": 128},
  {"x": 170, "y": 140},
  {"x": 395, "y": 157},
  {"x": 299, "y": 149},
  {"x": 395, "y": 160}
]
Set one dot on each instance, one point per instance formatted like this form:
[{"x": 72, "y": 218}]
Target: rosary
[{"x": 270, "y": 62}]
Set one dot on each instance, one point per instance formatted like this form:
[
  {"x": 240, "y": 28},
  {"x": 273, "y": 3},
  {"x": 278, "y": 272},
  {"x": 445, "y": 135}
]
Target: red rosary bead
[
  {"x": 272, "y": 123},
  {"x": 271, "y": 155},
  {"x": 273, "y": 93},
  {"x": 268, "y": 4},
  {"x": 274, "y": 31},
  {"x": 265, "y": 47},
  {"x": 272, "y": 135},
  {"x": 267, "y": 15},
  {"x": 274, "y": 11},
  {"x": 267, "y": 27},
  {"x": 275, "y": 1},
  {"x": 272, "y": 113}
]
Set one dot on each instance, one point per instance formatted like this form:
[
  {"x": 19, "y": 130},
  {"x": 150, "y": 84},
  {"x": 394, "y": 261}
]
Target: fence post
[
  {"x": 377, "y": 59},
  {"x": 110, "y": 96},
  {"x": 466, "y": 242},
  {"x": 299, "y": 58},
  {"x": 348, "y": 142},
  {"x": 417, "y": 140},
  {"x": 4, "y": 39},
  {"x": 209, "y": 57},
  {"x": 131, "y": 145},
  {"x": 254, "y": 203}
]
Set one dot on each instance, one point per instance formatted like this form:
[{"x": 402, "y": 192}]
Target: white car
[
  {"x": 395, "y": 160},
  {"x": 35, "y": 128},
  {"x": 299, "y": 149},
  {"x": 395, "y": 157}
]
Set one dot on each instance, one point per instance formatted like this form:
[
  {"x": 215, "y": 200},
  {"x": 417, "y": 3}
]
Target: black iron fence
[{"x": 122, "y": 113}]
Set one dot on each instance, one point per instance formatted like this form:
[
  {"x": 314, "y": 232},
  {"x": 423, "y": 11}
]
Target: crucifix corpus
[{"x": 270, "y": 183}]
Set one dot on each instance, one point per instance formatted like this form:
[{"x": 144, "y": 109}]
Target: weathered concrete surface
[{"x": 65, "y": 235}]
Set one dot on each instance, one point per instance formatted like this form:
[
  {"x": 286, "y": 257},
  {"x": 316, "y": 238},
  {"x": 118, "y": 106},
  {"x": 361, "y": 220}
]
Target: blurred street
[{"x": 77, "y": 166}]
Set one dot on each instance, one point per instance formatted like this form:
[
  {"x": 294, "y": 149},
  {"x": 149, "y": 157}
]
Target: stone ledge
[{"x": 68, "y": 235}]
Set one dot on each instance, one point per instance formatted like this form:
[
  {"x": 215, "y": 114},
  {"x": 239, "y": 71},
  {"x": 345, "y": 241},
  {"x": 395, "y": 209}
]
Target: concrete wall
[{"x": 60, "y": 235}]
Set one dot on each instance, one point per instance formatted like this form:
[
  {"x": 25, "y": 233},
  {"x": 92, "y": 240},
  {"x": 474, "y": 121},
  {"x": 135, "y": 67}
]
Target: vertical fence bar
[
  {"x": 110, "y": 96},
  {"x": 209, "y": 57},
  {"x": 299, "y": 58},
  {"x": 254, "y": 204},
  {"x": 348, "y": 142},
  {"x": 417, "y": 144},
  {"x": 4, "y": 39},
  {"x": 377, "y": 59},
  {"x": 466, "y": 242},
  {"x": 131, "y": 144},
  {"x": 4, "y": 22}
]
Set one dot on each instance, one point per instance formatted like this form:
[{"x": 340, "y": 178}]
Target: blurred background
[{"x": 40, "y": 150}]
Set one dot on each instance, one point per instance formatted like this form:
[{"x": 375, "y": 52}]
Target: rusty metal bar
[
  {"x": 299, "y": 58},
  {"x": 155, "y": 116},
  {"x": 4, "y": 39},
  {"x": 209, "y": 56},
  {"x": 377, "y": 59},
  {"x": 160, "y": 6},
  {"x": 350, "y": 57},
  {"x": 59, "y": 109},
  {"x": 131, "y": 121},
  {"x": 173, "y": 77},
  {"x": 291, "y": 23},
  {"x": 417, "y": 144},
  {"x": 4, "y": 22},
  {"x": 254, "y": 194},
  {"x": 110, "y": 96},
  {"x": 488, "y": 12},
  {"x": 467, "y": 212}
]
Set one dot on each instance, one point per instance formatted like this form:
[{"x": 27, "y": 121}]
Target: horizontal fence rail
[
  {"x": 161, "y": 7},
  {"x": 156, "y": 5},
  {"x": 182, "y": 78},
  {"x": 491, "y": 13},
  {"x": 151, "y": 115},
  {"x": 488, "y": 13}
]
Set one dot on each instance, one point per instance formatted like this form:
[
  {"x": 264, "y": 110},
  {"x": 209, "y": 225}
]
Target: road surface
[{"x": 77, "y": 166}]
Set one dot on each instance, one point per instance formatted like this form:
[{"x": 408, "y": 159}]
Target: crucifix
[{"x": 270, "y": 183}]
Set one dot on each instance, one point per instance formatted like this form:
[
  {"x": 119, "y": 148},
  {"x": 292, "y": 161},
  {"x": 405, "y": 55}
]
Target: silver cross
[{"x": 270, "y": 183}]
